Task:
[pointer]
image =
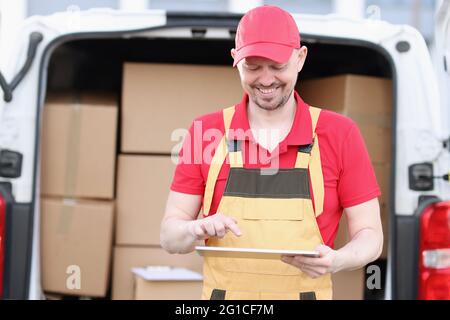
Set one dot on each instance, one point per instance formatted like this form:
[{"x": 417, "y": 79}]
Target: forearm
[
  {"x": 176, "y": 237},
  {"x": 364, "y": 247}
]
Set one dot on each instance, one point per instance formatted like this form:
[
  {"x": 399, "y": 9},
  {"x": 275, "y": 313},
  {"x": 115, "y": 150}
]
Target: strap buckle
[
  {"x": 306, "y": 148},
  {"x": 234, "y": 145}
]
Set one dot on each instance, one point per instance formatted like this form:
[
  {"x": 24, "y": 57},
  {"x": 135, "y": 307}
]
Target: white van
[{"x": 52, "y": 48}]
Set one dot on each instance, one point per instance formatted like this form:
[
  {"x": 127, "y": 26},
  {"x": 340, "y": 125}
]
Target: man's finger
[
  {"x": 209, "y": 228},
  {"x": 287, "y": 259},
  {"x": 309, "y": 261},
  {"x": 323, "y": 250},
  {"x": 225, "y": 218},
  {"x": 311, "y": 273},
  {"x": 199, "y": 232},
  {"x": 234, "y": 219},
  {"x": 231, "y": 225},
  {"x": 292, "y": 261},
  {"x": 220, "y": 229}
]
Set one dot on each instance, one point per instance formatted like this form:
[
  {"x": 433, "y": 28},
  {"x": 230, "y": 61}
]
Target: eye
[
  {"x": 251, "y": 67},
  {"x": 279, "y": 67}
]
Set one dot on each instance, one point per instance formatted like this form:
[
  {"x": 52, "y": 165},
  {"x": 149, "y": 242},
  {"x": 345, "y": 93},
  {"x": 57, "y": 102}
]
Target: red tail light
[
  {"x": 434, "y": 254},
  {"x": 2, "y": 240}
]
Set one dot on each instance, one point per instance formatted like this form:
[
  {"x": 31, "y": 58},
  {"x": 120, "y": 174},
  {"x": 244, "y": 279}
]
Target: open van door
[
  {"x": 442, "y": 42},
  {"x": 433, "y": 215},
  {"x": 423, "y": 239}
]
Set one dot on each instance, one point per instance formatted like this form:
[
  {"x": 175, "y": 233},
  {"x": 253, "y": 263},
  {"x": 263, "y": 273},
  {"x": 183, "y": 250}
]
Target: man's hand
[
  {"x": 315, "y": 267},
  {"x": 216, "y": 225},
  {"x": 365, "y": 246}
]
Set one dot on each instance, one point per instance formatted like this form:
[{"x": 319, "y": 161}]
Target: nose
[{"x": 267, "y": 77}]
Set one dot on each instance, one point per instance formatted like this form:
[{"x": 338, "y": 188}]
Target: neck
[{"x": 268, "y": 119}]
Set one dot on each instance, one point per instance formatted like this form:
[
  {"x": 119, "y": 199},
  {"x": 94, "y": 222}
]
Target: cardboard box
[
  {"x": 76, "y": 246},
  {"x": 378, "y": 142},
  {"x": 142, "y": 187},
  {"x": 351, "y": 95},
  {"x": 167, "y": 283},
  {"x": 126, "y": 258},
  {"x": 160, "y": 98},
  {"x": 348, "y": 285},
  {"x": 367, "y": 100},
  {"x": 79, "y": 146}
]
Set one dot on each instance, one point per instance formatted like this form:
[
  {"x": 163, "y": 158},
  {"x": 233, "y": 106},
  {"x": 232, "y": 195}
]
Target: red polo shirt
[{"x": 349, "y": 177}]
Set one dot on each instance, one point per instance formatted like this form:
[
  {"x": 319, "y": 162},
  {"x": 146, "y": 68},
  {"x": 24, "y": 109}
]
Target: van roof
[{"x": 111, "y": 20}]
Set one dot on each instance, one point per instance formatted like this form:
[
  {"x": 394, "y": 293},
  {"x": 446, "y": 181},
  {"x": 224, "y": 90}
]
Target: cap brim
[{"x": 276, "y": 52}]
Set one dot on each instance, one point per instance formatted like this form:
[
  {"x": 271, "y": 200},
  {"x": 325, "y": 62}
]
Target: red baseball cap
[{"x": 266, "y": 31}]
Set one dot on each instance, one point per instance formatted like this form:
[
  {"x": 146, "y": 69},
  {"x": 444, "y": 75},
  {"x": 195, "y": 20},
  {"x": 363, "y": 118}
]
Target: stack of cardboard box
[
  {"x": 368, "y": 101},
  {"x": 159, "y": 102},
  {"x": 143, "y": 183},
  {"x": 77, "y": 189}
]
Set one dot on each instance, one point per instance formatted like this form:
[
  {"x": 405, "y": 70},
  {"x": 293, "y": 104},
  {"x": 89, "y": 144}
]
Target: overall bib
[{"x": 274, "y": 211}]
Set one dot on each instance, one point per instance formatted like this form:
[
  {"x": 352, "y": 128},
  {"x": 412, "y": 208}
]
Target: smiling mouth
[{"x": 267, "y": 91}]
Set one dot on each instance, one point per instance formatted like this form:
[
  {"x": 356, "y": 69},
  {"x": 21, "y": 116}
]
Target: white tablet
[{"x": 209, "y": 251}]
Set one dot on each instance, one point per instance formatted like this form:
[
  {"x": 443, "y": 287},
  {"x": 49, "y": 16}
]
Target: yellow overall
[{"x": 274, "y": 210}]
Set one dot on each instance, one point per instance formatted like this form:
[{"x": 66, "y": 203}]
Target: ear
[
  {"x": 302, "y": 53},
  {"x": 233, "y": 53}
]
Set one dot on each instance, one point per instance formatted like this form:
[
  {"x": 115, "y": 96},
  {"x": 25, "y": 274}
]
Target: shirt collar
[{"x": 300, "y": 133}]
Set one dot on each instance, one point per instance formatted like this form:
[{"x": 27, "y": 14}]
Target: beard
[{"x": 277, "y": 102}]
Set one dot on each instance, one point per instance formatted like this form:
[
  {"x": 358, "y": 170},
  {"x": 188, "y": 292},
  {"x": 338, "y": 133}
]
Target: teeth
[{"x": 267, "y": 91}]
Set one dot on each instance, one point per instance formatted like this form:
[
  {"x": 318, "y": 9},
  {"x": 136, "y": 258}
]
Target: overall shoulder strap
[
  {"x": 217, "y": 161},
  {"x": 315, "y": 165}
]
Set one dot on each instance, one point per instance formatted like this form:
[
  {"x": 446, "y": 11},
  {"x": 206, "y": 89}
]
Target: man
[{"x": 322, "y": 168}]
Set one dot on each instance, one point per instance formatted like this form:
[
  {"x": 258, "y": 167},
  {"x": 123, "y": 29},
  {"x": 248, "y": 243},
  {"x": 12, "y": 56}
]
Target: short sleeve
[
  {"x": 357, "y": 181},
  {"x": 188, "y": 176}
]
